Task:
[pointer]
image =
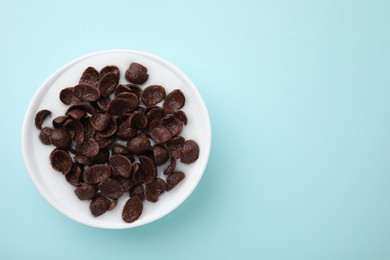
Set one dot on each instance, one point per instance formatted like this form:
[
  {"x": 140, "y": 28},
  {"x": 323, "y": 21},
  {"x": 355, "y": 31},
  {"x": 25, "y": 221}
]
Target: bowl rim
[{"x": 35, "y": 101}]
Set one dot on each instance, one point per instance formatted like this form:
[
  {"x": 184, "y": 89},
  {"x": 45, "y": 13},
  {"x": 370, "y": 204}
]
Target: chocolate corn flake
[
  {"x": 132, "y": 209},
  {"x": 181, "y": 116},
  {"x": 86, "y": 92},
  {"x": 103, "y": 103},
  {"x": 110, "y": 69},
  {"x": 174, "y": 101},
  {"x": 125, "y": 132},
  {"x": 100, "y": 121},
  {"x": 148, "y": 169},
  {"x": 86, "y": 191},
  {"x": 76, "y": 114},
  {"x": 108, "y": 83},
  {"x": 174, "y": 146},
  {"x": 160, "y": 154},
  {"x": 99, "y": 205},
  {"x": 82, "y": 159},
  {"x": 40, "y": 117},
  {"x": 152, "y": 95},
  {"x": 121, "y": 166},
  {"x": 110, "y": 188},
  {"x": 74, "y": 177},
  {"x": 122, "y": 106},
  {"x": 110, "y": 130},
  {"x": 173, "y": 124},
  {"x": 137, "y": 120},
  {"x": 97, "y": 173},
  {"x": 104, "y": 142},
  {"x": 138, "y": 191},
  {"x": 137, "y": 73},
  {"x": 129, "y": 88},
  {"x": 89, "y": 148},
  {"x": 120, "y": 149},
  {"x": 138, "y": 144},
  {"x": 189, "y": 152},
  {"x": 90, "y": 77},
  {"x": 60, "y": 121},
  {"x": 174, "y": 179},
  {"x": 155, "y": 114},
  {"x": 68, "y": 98},
  {"x": 61, "y": 161},
  {"x": 45, "y": 135},
  {"x": 160, "y": 134},
  {"x": 60, "y": 138},
  {"x": 154, "y": 189},
  {"x": 171, "y": 167}
]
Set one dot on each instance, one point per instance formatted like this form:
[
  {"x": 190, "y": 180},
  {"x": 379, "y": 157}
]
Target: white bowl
[{"x": 53, "y": 186}]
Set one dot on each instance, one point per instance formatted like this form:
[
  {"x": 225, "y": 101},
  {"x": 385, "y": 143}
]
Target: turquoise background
[{"x": 298, "y": 93}]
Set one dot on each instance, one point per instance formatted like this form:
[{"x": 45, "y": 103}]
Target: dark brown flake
[
  {"x": 88, "y": 148},
  {"x": 174, "y": 146},
  {"x": 137, "y": 73},
  {"x": 75, "y": 129},
  {"x": 86, "y": 191},
  {"x": 154, "y": 114},
  {"x": 173, "y": 124},
  {"x": 137, "y": 120},
  {"x": 90, "y": 77},
  {"x": 181, "y": 116},
  {"x": 152, "y": 95},
  {"x": 45, "y": 135},
  {"x": 87, "y": 107},
  {"x": 148, "y": 169},
  {"x": 97, "y": 173},
  {"x": 160, "y": 134},
  {"x": 110, "y": 130},
  {"x": 60, "y": 121},
  {"x": 138, "y": 144},
  {"x": 122, "y": 106},
  {"x": 103, "y": 103},
  {"x": 120, "y": 149},
  {"x": 132, "y": 209},
  {"x": 84, "y": 160},
  {"x": 61, "y": 161},
  {"x": 40, "y": 117},
  {"x": 108, "y": 83},
  {"x": 76, "y": 114},
  {"x": 99, "y": 205},
  {"x": 86, "y": 92},
  {"x": 68, "y": 98},
  {"x": 171, "y": 167},
  {"x": 160, "y": 154},
  {"x": 110, "y": 188},
  {"x": 125, "y": 132},
  {"x": 174, "y": 101},
  {"x": 60, "y": 138},
  {"x": 174, "y": 179},
  {"x": 74, "y": 177},
  {"x": 138, "y": 191},
  {"x": 154, "y": 189},
  {"x": 100, "y": 121},
  {"x": 110, "y": 69},
  {"x": 189, "y": 152},
  {"x": 121, "y": 166}
]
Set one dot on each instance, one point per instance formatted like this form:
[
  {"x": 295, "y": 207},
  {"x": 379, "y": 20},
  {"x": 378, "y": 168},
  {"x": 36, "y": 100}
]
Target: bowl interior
[{"x": 52, "y": 184}]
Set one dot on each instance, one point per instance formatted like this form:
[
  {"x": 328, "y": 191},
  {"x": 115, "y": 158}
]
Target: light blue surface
[{"x": 299, "y": 97}]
